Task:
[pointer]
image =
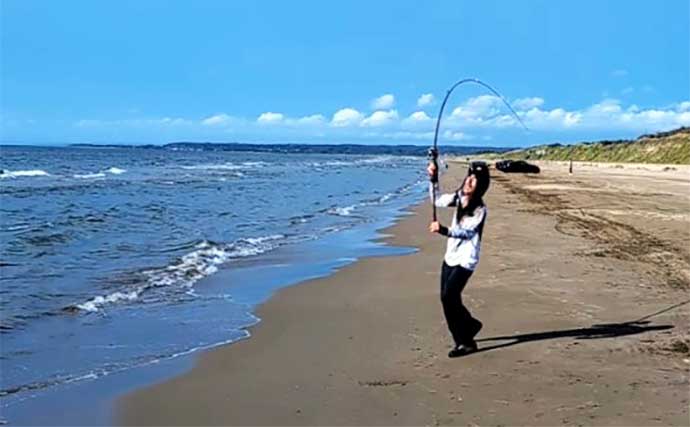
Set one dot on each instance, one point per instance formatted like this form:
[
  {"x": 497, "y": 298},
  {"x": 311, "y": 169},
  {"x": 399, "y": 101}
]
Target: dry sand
[{"x": 581, "y": 289}]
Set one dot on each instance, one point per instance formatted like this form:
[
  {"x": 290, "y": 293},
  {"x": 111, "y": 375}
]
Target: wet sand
[{"x": 582, "y": 287}]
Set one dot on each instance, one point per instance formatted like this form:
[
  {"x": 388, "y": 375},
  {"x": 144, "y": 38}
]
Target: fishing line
[{"x": 433, "y": 152}]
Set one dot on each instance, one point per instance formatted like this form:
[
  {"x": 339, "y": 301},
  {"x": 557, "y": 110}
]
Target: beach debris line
[
  {"x": 383, "y": 383},
  {"x": 433, "y": 152}
]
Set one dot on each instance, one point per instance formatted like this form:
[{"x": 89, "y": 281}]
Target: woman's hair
[{"x": 481, "y": 172}]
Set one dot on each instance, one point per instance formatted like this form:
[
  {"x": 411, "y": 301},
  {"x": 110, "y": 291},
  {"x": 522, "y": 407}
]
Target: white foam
[
  {"x": 18, "y": 227},
  {"x": 189, "y": 269},
  {"x": 205, "y": 260},
  {"x": 331, "y": 163},
  {"x": 95, "y": 303},
  {"x": 346, "y": 211},
  {"x": 23, "y": 173},
  {"x": 214, "y": 166},
  {"x": 356, "y": 162},
  {"x": 377, "y": 159},
  {"x": 386, "y": 197},
  {"x": 264, "y": 239},
  {"x": 115, "y": 171},
  {"x": 90, "y": 175}
]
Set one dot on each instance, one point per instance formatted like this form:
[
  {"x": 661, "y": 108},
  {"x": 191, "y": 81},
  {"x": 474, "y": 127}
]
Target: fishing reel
[{"x": 432, "y": 155}]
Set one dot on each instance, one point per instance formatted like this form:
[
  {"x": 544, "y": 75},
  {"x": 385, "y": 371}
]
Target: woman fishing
[{"x": 462, "y": 250}]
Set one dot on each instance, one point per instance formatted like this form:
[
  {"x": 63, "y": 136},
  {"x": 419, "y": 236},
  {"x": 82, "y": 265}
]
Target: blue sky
[{"x": 360, "y": 71}]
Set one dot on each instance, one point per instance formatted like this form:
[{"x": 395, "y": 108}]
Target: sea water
[{"x": 118, "y": 258}]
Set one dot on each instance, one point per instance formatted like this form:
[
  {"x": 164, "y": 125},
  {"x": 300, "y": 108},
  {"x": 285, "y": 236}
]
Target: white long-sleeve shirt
[{"x": 464, "y": 238}]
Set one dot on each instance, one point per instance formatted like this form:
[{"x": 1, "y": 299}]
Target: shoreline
[
  {"x": 367, "y": 344},
  {"x": 365, "y": 240}
]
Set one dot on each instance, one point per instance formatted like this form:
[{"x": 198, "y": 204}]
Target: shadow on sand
[{"x": 607, "y": 330}]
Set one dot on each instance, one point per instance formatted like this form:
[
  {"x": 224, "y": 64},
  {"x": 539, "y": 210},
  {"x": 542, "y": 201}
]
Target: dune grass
[{"x": 662, "y": 148}]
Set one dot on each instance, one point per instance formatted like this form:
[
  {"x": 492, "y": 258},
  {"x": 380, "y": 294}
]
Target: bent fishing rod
[{"x": 433, "y": 151}]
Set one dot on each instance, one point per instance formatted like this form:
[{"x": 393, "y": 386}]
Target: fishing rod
[{"x": 433, "y": 151}]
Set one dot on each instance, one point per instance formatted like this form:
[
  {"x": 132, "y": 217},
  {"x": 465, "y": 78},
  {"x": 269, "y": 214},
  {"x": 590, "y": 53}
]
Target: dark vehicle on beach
[{"x": 516, "y": 166}]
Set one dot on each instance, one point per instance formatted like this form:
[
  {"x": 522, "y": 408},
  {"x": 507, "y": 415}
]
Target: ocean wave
[
  {"x": 252, "y": 164},
  {"x": 214, "y": 166},
  {"x": 395, "y": 193},
  {"x": 342, "y": 211},
  {"x": 225, "y": 166},
  {"x": 365, "y": 161},
  {"x": 101, "y": 174},
  {"x": 16, "y": 227},
  {"x": 182, "y": 273},
  {"x": 348, "y": 210},
  {"x": 300, "y": 219},
  {"x": 115, "y": 171},
  {"x": 95, "y": 303},
  {"x": 46, "y": 239},
  {"x": 224, "y": 177},
  {"x": 90, "y": 175},
  {"x": 116, "y": 367},
  {"x": 330, "y": 163},
  {"x": 378, "y": 159},
  {"x": 22, "y": 173}
]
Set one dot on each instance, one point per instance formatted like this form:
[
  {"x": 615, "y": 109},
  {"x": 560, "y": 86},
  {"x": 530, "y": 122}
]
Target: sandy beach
[{"x": 582, "y": 288}]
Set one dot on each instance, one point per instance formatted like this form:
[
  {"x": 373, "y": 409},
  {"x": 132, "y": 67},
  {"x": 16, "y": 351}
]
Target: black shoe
[{"x": 462, "y": 350}]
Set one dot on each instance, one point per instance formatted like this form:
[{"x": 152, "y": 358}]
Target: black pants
[{"x": 461, "y": 324}]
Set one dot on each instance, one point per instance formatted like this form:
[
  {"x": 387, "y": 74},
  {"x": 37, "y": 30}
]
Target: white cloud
[
  {"x": 313, "y": 120},
  {"x": 270, "y": 118},
  {"x": 407, "y": 135},
  {"x": 347, "y": 117},
  {"x": 486, "y": 113},
  {"x": 683, "y": 119},
  {"x": 557, "y": 118},
  {"x": 528, "y": 103},
  {"x": 608, "y": 114},
  {"x": 167, "y": 121},
  {"x": 217, "y": 120},
  {"x": 426, "y": 100},
  {"x": 419, "y": 116},
  {"x": 478, "y": 109},
  {"x": 418, "y": 119},
  {"x": 383, "y": 102},
  {"x": 571, "y": 119},
  {"x": 607, "y": 106},
  {"x": 380, "y": 118},
  {"x": 454, "y": 135}
]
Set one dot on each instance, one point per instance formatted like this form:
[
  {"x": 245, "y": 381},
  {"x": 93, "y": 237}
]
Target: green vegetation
[{"x": 671, "y": 147}]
